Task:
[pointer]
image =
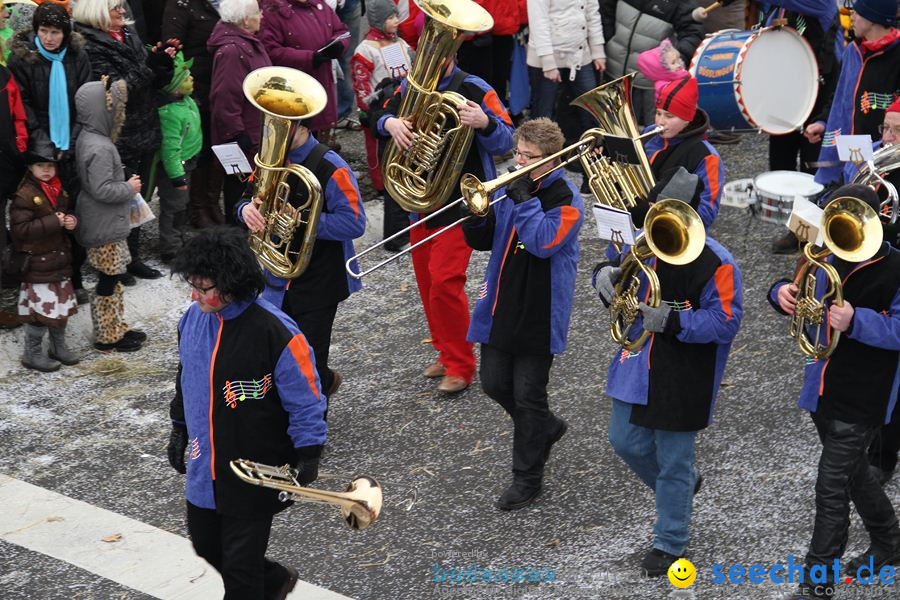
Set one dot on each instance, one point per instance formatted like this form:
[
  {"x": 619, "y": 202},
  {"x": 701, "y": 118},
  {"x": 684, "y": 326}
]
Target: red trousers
[
  {"x": 372, "y": 159},
  {"x": 440, "y": 267}
]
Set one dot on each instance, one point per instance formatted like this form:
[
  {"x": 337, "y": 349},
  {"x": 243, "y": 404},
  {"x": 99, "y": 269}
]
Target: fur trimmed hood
[
  {"x": 100, "y": 111},
  {"x": 22, "y": 46}
]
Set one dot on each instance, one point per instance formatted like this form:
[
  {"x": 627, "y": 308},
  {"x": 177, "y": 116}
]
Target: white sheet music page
[
  {"x": 232, "y": 158},
  {"x": 614, "y": 225},
  {"x": 806, "y": 221},
  {"x": 394, "y": 58}
]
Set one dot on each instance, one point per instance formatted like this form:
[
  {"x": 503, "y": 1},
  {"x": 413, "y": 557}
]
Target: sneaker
[
  {"x": 123, "y": 345},
  {"x": 139, "y": 269},
  {"x": 518, "y": 495},
  {"x": 82, "y": 296},
  {"x": 349, "y": 122},
  {"x": 656, "y": 562},
  {"x": 134, "y": 334},
  {"x": 786, "y": 244}
]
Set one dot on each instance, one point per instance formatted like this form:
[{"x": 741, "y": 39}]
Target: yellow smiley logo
[{"x": 682, "y": 573}]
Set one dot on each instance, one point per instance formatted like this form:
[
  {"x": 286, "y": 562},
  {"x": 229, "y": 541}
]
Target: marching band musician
[
  {"x": 682, "y": 143},
  {"x": 849, "y": 395},
  {"x": 522, "y": 314},
  {"x": 246, "y": 388},
  {"x": 664, "y": 393},
  {"x": 312, "y": 298},
  {"x": 440, "y": 264}
]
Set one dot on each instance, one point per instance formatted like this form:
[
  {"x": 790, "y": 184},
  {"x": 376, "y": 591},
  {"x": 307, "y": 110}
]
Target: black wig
[{"x": 222, "y": 255}]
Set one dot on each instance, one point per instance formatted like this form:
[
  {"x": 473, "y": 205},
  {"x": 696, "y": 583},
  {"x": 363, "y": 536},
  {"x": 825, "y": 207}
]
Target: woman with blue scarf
[{"x": 50, "y": 65}]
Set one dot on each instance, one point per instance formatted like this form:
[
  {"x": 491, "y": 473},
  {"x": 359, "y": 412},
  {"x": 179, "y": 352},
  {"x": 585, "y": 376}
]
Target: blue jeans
[
  {"x": 544, "y": 92},
  {"x": 665, "y": 461},
  {"x": 350, "y": 14}
]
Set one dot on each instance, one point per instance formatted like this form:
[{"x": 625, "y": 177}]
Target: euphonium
[
  {"x": 284, "y": 95},
  {"x": 885, "y": 160},
  {"x": 852, "y": 232},
  {"x": 615, "y": 184},
  {"x": 674, "y": 233},
  {"x": 422, "y": 178}
]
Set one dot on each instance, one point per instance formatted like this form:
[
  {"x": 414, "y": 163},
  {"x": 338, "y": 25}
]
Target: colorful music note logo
[{"x": 238, "y": 391}]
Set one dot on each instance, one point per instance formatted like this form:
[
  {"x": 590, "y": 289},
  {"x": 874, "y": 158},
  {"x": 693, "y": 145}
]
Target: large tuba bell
[
  {"x": 360, "y": 504},
  {"x": 284, "y": 95},
  {"x": 422, "y": 178},
  {"x": 852, "y": 232},
  {"x": 674, "y": 233},
  {"x": 615, "y": 183},
  {"x": 884, "y": 161}
]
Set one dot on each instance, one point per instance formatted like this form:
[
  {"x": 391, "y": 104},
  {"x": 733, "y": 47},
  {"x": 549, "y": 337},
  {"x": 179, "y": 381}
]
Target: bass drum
[{"x": 763, "y": 79}]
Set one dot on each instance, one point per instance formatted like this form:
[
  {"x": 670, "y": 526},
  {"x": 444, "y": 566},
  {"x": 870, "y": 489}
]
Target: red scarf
[
  {"x": 880, "y": 43},
  {"x": 52, "y": 189},
  {"x": 118, "y": 35}
]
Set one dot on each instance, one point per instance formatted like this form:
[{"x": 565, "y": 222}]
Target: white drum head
[
  {"x": 779, "y": 81},
  {"x": 786, "y": 183}
]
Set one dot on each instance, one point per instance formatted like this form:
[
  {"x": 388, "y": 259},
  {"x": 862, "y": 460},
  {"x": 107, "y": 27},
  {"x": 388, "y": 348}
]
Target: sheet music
[
  {"x": 614, "y": 225},
  {"x": 395, "y": 59},
  {"x": 232, "y": 158},
  {"x": 806, "y": 221},
  {"x": 854, "y": 148}
]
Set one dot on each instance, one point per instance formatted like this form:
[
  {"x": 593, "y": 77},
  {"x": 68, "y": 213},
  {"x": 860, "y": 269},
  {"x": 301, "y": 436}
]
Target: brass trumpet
[
  {"x": 360, "y": 504},
  {"x": 852, "y": 231},
  {"x": 476, "y": 196}
]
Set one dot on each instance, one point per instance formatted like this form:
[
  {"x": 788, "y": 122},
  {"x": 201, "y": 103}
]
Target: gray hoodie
[{"x": 104, "y": 204}]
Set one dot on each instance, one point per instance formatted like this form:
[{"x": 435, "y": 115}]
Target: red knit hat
[
  {"x": 679, "y": 98},
  {"x": 895, "y": 107}
]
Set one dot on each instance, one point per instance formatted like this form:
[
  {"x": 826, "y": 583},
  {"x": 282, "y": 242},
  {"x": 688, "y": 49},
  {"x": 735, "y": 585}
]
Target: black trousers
[
  {"x": 518, "y": 383},
  {"x": 884, "y": 448},
  {"x": 236, "y": 548},
  {"x": 784, "y": 149},
  {"x": 844, "y": 476},
  {"x": 316, "y": 325},
  {"x": 232, "y": 190}
]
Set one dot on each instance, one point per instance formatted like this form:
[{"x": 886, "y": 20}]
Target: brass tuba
[
  {"x": 614, "y": 183},
  {"x": 674, "y": 233},
  {"x": 422, "y": 178},
  {"x": 284, "y": 95},
  {"x": 884, "y": 161},
  {"x": 360, "y": 504},
  {"x": 852, "y": 231}
]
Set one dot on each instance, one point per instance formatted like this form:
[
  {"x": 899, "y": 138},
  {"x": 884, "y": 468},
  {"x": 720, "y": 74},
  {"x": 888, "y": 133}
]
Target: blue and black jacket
[
  {"x": 673, "y": 380},
  {"x": 525, "y": 300},
  {"x": 494, "y": 140},
  {"x": 246, "y": 388},
  {"x": 858, "y": 382}
]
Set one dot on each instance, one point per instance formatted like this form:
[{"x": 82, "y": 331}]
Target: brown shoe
[
  {"x": 451, "y": 384},
  {"x": 786, "y": 244},
  {"x": 336, "y": 380},
  {"x": 435, "y": 369}
]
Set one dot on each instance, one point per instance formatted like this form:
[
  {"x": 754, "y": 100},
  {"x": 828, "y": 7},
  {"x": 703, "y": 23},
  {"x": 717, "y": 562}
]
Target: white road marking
[{"x": 145, "y": 558}]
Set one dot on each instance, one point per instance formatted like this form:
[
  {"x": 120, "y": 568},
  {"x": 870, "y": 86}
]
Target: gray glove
[
  {"x": 605, "y": 283},
  {"x": 655, "y": 319}
]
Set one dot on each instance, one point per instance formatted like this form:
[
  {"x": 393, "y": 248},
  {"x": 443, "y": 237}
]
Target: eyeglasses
[
  {"x": 521, "y": 154},
  {"x": 118, "y": 8},
  {"x": 201, "y": 290},
  {"x": 895, "y": 130}
]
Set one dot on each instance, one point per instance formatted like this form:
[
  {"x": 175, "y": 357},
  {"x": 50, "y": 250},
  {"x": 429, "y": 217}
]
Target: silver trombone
[{"x": 476, "y": 196}]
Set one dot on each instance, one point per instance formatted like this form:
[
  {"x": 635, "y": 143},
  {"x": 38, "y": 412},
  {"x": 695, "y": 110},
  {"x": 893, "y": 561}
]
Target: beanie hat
[
  {"x": 379, "y": 11},
  {"x": 181, "y": 71},
  {"x": 679, "y": 98},
  {"x": 52, "y": 15},
  {"x": 881, "y": 12},
  {"x": 859, "y": 191},
  {"x": 895, "y": 107}
]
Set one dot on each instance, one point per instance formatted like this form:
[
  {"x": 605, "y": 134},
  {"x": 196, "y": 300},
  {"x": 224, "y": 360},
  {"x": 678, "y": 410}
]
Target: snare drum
[
  {"x": 759, "y": 79},
  {"x": 775, "y": 192}
]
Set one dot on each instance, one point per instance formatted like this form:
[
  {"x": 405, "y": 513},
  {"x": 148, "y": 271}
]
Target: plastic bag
[{"x": 140, "y": 211}]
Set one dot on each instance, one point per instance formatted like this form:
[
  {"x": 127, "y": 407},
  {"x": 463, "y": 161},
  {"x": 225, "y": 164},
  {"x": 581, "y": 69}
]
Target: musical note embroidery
[
  {"x": 195, "y": 449},
  {"x": 869, "y": 101},
  {"x": 238, "y": 391},
  {"x": 482, "y": 291},
  {"x": 626, "y": 354},
  {"x": 679, "y": 306},
  {"x": 830, "y": 137}
]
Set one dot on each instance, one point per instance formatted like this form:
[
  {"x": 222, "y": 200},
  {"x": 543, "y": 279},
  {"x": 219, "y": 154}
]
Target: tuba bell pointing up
[
  {"x": 284, "y": 96},
  {"x": 423, "y": 177}
]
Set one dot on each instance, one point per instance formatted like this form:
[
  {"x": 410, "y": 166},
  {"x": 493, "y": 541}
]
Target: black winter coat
[
  {"x": 144, "y": 73},
  {"x": 32, "y": 73},
  {"x": 192, "y": 22}
]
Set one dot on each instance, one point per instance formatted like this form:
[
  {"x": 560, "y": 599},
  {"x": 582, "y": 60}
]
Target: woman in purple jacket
[
  {"x": 297, "y": 33},
  {"x": 236, "y": 52}
]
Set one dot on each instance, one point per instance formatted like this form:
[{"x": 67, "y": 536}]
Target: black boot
[
  {"x": 519, "y": 495},
  {"x": 136, "y": 267},
  {"x": 656, "y": 562}
]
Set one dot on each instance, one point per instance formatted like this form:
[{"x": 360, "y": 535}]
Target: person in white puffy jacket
[{"x": 565, "y": 47}]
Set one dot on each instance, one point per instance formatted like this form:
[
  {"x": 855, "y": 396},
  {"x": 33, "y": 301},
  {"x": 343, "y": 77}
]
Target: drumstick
[{"x": 700, "y": 14}]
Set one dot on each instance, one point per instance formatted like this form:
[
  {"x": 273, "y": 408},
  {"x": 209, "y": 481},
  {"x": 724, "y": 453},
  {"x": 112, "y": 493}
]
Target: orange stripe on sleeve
[
  {"x": 568, "y": 217},
  {"x": 342, "y": 178},
  {"x": 712, "y": 172},
  {"x": 300, "y": 351},
  {"x": 724, "y": 278},
  {"x": 493, "y": 102}
]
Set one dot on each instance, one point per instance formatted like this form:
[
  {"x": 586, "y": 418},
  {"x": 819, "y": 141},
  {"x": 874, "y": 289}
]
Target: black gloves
[
  {"x": 329, "y": 52},
  {"x": 521, "y": 189},
  {"x": 178, "y": 440},
  {"x": 307, "y": 464}
]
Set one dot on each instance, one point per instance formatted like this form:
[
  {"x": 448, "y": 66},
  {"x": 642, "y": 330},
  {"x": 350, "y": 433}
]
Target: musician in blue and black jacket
[
  {"x": 522, "y": 314},
  {"x": 849, "y": 396},
  {"x": 312, "y": 298},
  {"x": 246, "y": 388},
  {"x": 665, "y": 392}
]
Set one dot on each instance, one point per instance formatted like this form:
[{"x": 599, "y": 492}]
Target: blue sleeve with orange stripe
[
  {"x": 712, "y": 171},
  {"x": 544, "y": 233},
  {"x": 497, "y": 137},
  {"x": 343, "y": 216},
  {"x": 718, "y": 318},
  {"x": 876, "y": 329},
  {"x": 301, "y": 393}
]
